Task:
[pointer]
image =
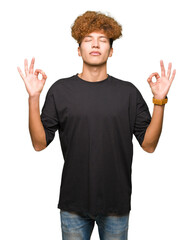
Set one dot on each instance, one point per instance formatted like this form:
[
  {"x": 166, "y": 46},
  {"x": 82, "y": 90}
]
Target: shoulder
[
  {"x": 58, "y": 85},
  {"x": 126, "y": 84},
  {"x": 129, "y": 89}
]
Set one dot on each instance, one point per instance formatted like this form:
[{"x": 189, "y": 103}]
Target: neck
[{"x": 93, "y": 73}]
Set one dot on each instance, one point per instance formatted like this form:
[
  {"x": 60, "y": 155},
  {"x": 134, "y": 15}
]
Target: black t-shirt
[{"x": 96, "y": 122}]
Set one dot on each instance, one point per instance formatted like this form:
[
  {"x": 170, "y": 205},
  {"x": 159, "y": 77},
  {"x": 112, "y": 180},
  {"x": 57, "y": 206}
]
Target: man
[{"x": 96, "y": 115}]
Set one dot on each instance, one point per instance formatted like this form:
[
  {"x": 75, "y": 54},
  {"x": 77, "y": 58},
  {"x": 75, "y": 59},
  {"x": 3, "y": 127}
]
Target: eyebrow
[{"x": 99, "y": 36}]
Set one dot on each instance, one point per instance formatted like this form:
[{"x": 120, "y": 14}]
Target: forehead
[{"x": 96, "y": 33}]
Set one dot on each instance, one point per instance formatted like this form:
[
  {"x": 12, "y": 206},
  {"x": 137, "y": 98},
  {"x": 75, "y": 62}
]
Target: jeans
[{"x": 80, "y": 227}]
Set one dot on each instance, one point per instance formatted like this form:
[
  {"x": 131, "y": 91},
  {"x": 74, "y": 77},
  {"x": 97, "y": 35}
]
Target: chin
[{"x": 95, "y": 63}]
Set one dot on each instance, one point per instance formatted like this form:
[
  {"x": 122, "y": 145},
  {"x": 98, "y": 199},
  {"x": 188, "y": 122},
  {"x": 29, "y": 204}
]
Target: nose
[{"x": 95, "y": 43}]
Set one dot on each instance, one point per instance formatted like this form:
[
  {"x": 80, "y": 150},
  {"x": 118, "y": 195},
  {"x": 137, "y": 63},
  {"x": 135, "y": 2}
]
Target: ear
[
  {"x": 111, "y": 52},
  {"x": 79, "y": 52}
]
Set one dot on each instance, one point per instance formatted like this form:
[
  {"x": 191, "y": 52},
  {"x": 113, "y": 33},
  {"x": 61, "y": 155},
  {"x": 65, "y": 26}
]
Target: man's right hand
[{"x": 33, "y": 85}]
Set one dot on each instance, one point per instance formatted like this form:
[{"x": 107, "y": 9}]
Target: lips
[{"x": 95, "y": 53}]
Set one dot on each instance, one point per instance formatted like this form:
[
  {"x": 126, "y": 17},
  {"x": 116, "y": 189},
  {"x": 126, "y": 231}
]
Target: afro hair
[{"x": 92, "y": 21}]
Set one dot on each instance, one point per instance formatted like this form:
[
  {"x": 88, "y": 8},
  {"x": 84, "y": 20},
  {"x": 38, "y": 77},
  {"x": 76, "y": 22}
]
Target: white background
[{"x": 162, "y": 196}]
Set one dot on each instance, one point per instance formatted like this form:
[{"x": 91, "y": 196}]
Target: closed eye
[
  {"x": 87, "y": 39},
  {"x": 103, "y": 40}
]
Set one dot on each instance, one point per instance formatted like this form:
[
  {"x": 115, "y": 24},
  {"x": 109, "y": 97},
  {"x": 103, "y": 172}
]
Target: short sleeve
[
  {"x": 142, "y": 118},
  {"x": 49, "y": 117}
]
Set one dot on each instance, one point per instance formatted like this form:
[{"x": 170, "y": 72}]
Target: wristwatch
[{"x": 160, "y": 101}]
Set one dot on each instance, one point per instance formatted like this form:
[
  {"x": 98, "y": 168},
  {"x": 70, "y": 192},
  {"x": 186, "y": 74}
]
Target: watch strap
[{"x": 160, "y": 101}]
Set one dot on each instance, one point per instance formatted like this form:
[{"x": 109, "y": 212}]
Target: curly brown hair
[{"x": 91, "y": 21}]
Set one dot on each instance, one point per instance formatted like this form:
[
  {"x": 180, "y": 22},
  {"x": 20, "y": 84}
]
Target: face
[{"x": 95, "y": 49}]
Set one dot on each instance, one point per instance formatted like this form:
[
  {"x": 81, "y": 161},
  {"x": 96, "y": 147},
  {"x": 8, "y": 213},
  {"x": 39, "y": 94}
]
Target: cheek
[
  {"x": 106, "y": 51},
  {"x": 105, "y": 47},
  {"x": 85, "y": 50}
]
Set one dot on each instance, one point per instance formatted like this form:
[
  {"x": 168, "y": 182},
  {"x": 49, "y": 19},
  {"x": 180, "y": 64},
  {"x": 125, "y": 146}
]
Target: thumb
[{"x": 149, "y": 80}]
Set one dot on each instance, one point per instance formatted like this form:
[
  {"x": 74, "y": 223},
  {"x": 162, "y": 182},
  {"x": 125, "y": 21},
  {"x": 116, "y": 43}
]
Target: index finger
[
  {"x": 154, "y": 74},
  {"x": 37, "y": 71}
]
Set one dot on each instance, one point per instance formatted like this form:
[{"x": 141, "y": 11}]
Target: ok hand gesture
[
  {"x": 33, "y": 85},
  {"x": 162, "y": 85}
]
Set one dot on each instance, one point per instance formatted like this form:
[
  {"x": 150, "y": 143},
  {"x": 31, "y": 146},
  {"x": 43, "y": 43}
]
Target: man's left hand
[{"x": 161, "y": 87}]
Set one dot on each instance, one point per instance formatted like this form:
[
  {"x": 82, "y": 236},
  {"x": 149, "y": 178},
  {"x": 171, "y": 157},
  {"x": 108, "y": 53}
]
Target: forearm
[
  {"x": 154, "y": 129},
  {"x": 36, "y": 128}
]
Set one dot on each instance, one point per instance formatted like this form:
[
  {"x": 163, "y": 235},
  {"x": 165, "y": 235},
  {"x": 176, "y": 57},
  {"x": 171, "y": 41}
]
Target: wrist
[
  {"x": 160, "y": 97},
  {"x": 34, "y": 97}
]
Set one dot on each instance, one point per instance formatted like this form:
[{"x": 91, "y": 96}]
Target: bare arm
[
  {"x": 34, "y": 87},
  {"x": 160, "y": 90},
  {"x": 154, "y": 129},
  {"x": 36, "y": 128}
]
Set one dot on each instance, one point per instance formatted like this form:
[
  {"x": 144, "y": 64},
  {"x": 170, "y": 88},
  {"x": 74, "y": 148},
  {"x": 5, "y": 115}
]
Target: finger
[
  {"x": 38, "y": 71},
  {"x": 44, "y": 77},
  {"x": 154, "y": 74},
  {"x": 173, "y": 75},
  {"x": 169, "y": 70},
  {"x": 157, "y": 75},
  {"x": 26, "y": 66},
  {"x": 162, "y": 68},
  {"x": 20, "y": 72},
  {"x": 31, "y": 68},
  {"x": 149, "y": 80}
]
